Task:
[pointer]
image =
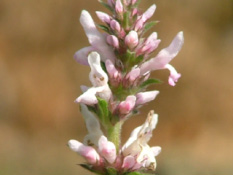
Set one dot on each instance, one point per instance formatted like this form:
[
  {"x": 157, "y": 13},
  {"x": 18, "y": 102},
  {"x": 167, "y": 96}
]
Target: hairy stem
[{"x": 114, "y": 134}]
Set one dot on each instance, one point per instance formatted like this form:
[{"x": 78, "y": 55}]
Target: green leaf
[
  {"x": 106, "y": 5},
  {"x": 103, "y": 27},
  {"x": 103, "y": 112},
  {"x": 149, "y": 82},
  {"x": 149, "y": 25}
]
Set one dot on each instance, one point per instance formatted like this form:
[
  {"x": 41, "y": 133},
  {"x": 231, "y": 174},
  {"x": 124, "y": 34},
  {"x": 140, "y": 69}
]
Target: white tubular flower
[
  {"x": 99, "y": 80},
  {"x": 96, "y": 39},
  {"x": 93, "y": 127},
  {"x": 161, "y": 61},
  {"x": 137, "y": 143},
  {"x": 107, "y": 149}
]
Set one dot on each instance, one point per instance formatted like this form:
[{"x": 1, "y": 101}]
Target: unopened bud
[
  {"x": 115, "y": 25},
  {"x": 113, "y": 41},
  {"x": 131, "y": 40},
  {"x": 104, "y": 17},
  {"x": 119, "y": 7},
  {"x": 126, "y": 106},
  {"x": 145, "y": 16}
]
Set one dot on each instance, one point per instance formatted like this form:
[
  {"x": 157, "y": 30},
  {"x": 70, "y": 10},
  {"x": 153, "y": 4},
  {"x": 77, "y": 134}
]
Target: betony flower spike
[{"x": 120, "y": 60}]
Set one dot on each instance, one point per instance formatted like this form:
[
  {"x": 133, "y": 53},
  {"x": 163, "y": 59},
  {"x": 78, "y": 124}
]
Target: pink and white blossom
[
  {"x": 137, "y": 145},
  {"x": 163, "y": 58}
]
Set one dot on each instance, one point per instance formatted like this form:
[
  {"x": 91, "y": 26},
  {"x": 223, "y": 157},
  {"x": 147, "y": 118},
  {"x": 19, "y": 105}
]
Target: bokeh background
[{"x": 39, "y": 81}]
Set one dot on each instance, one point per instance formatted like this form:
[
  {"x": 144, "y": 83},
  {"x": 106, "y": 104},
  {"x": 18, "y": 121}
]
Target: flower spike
[{"x": 121, "y": 62}]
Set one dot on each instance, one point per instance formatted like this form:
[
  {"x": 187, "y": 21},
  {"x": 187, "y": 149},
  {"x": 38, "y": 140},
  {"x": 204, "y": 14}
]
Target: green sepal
[
  {"x": 149, "y": 25},
  {"x": 106, "y": 5},
  {"x": 150, "y": 82},
  {"x": 111, "y": 171},
  {"x": 132, "y": 60},
  {"x": 103, "y": 112},
  {"x": 103, "y": 27},
  {"x": 90, "y": 168}
]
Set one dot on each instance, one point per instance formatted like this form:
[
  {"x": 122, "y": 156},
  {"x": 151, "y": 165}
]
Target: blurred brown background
[{"x": 39, "y": 81}]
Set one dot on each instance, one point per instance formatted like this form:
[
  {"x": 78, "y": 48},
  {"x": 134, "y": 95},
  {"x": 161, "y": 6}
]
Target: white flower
[
  {"x": 137, "y": 143},
  {"x": 99, "y": 80}
]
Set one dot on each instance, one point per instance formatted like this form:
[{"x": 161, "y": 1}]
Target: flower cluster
[{"x": 120, "y": 61}]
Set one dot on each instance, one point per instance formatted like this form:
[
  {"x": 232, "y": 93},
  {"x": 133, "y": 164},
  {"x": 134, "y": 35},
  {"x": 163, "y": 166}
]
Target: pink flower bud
[
  {"x": 149, "y": 45},
  {"x": 113, "y": 41},
  {"x": 88, "y": 152},
  {"x": 107, "y": 149},
  {"x": 144, "y": 97},
  {"x": 126, "y": 106},
  {"x": 131, "y": 40},
  {"x": 112, "y": 71},
  {"x": 119, "y": 7},
  {"x": 145, "y": 16},
  {"x": 104, "y": 17},
  {"x": 115, "y": 26}
]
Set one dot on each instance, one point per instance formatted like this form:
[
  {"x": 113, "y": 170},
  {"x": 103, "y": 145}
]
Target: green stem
[{"x": 114, "y": 134}]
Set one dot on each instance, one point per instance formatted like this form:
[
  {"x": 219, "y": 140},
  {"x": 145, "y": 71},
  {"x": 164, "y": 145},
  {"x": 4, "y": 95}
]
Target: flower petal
[
  {"x": 96, "y": 39},
  {"x": 81, "y": 55},
  {"x": 89, "y": 97},
  {"x": 144, "y": 97},
  {"x": 164, "y": 56},
  {"x": 174, "y": 76},
  {"x": 97, "y": 75}
]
